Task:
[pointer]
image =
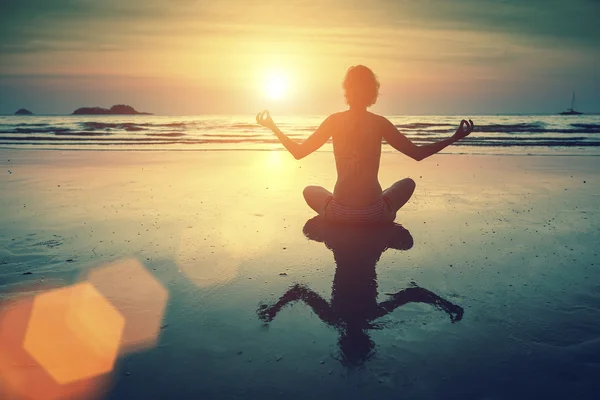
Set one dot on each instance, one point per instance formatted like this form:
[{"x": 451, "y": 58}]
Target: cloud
[
  {"x": 573, "y": 22},
  {"x": 223, "y": 43},
  {"x": 24, "y": 24}
]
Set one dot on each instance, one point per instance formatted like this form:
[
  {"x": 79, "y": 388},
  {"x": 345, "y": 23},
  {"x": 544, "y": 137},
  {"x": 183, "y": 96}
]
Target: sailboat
[{"x": 571, "y": 111}]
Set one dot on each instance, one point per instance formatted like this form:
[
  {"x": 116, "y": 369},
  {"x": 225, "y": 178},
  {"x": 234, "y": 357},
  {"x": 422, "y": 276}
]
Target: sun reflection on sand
[
  {"x": 212, "y": 253},
  {"x": 275, "y": 162},
  {"x": 275, "y": 159}
]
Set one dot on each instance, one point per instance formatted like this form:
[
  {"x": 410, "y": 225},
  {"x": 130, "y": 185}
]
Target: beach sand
[{"x": 174, "y": 252}]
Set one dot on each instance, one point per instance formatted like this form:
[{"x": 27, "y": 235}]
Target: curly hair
[{"x": 361, "y": 87}]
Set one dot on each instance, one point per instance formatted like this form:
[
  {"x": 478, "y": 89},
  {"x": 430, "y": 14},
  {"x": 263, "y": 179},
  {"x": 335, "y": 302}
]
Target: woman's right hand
[
  {"x": 465, "y": 128},
  {"x": 264, "y": 118}
]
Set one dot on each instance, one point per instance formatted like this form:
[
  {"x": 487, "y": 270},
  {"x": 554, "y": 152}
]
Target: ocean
[{"x": 522, "y": 134}]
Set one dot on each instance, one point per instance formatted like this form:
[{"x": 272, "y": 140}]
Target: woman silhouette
[
  {"x": 353, "y": 308},
  {"x": 357, "y": 135}
]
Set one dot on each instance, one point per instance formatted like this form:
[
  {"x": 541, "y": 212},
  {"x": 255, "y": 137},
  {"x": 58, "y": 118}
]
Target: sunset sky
[{"x": 195, "y": 57}]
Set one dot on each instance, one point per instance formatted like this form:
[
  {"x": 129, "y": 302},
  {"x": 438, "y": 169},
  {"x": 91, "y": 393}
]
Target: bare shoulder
[
  {"x": 334, "y": 120},
  {"x": 382, "y": 123},
  {"x": 336, "y": 116},
  {"x": 380, "y": 119}
]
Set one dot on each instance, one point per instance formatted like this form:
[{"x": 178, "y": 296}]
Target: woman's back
[{"x": 357, "y": 150}]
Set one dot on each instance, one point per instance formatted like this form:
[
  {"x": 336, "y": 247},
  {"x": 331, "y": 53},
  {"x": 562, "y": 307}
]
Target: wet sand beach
[{"x": 203, "y": 274}]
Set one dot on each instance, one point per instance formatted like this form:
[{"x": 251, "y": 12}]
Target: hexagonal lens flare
[
  {"x": 21, "y": 375},
  {"x": 139, "y": 298},
  {"x": 74, "y": 333}
]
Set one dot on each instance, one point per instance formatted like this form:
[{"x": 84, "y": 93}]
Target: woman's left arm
[{"x": 298, "y": 150}]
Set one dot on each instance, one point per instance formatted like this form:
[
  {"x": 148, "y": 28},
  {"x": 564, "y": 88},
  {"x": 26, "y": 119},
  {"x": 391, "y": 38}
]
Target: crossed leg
[
  {"x": 400, "y": 192},
  {"x": 317, "y": 197}
]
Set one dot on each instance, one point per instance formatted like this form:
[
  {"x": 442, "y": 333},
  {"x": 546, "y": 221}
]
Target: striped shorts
[{"x": 382, "y": 211}]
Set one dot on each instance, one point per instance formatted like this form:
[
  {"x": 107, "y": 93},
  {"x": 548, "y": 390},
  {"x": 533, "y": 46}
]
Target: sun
[{"x": 276, "y": 85}]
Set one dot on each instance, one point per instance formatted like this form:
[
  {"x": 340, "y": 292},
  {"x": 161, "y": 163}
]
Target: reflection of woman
[
  {"x": 353, "y": 308},
  {"x": 357, "y": 135}
]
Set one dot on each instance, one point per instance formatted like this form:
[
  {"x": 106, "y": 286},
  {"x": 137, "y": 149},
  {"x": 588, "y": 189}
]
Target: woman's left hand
[{"x": 464, "y": 130}]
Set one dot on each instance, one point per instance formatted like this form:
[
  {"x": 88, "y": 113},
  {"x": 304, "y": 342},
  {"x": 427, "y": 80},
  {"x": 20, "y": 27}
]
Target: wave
[
  {"x": 90, "y": 126},
  {"x": 512, "y": 128},
  {"x": 430, "y": 131},
  {"x": 127, "y": 126},
  {"x": 71, "y": 133},
  {"x": 206, "y": 132},
  {"x": 52, "y": 130},
  {"x": 133, "y": 127},
  {"x": 417, "y": 125},
  {"x": 176, "y": 138},
  {"x": 138, "y": 139},
  {"x": 587, "y": 126},
  {"x": 537, "y": 128},
  {"x": 243, "y": 126},
  {"x": 541, "y": 143},
  {"x": 169, "y": 134}
]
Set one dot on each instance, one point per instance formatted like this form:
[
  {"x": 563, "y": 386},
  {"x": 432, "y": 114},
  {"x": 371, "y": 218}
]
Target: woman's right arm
[
  {"x": 298, "y": 150},
  {"x": 404, "y": 145}
]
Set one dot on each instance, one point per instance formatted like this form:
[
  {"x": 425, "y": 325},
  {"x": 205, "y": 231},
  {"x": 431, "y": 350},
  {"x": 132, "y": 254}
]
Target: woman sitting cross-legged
[{"x": 357, "y": 136}]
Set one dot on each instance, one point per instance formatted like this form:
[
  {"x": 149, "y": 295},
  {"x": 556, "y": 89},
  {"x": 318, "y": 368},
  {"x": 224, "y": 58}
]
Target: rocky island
[
  {"x": 23, "y": 111},
  {"x": 119, "y": 109}
]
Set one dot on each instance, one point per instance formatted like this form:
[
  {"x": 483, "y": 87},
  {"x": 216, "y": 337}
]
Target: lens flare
[
  {"x": 74, "y": 333},
  {"x": 21, "y": 375},
  {"x": 138, "y": 297}
]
